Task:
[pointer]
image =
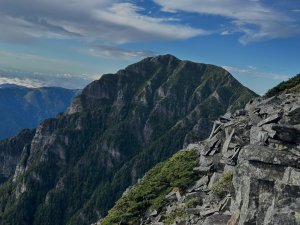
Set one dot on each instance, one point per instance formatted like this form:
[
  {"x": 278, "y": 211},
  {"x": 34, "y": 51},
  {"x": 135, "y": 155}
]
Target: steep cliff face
[
  {"x": 11, "y": 150},
  {"x": 22, "y": 108},
  {"x": 248, "y": 173},
  {"x": 117, "y": 129}
]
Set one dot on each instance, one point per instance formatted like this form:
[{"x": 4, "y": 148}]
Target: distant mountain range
[
  {"x": 72, "y": 168},
  {"x": 10, "y": 86},
  {"x": 22, "y": 107}
]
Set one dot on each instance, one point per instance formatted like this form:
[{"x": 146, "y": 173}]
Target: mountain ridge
[
  {"x": 118, "y": 127},
  {"x": 291, "y": 85},
  {"x": 246, "y": 172}
]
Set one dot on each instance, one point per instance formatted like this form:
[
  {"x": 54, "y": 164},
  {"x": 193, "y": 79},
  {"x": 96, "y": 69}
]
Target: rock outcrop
[
  {"x": 249, "y": 171},
  {"x": 12, "y": 149}
]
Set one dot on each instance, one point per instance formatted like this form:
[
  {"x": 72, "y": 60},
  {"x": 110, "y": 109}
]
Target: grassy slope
[{"x": 149, "y": 194}]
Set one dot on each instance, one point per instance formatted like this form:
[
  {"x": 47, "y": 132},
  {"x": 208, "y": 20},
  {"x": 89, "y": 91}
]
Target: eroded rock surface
[
  {"x": 249, "y": 170},
  {"x": 10, "y": 153}
]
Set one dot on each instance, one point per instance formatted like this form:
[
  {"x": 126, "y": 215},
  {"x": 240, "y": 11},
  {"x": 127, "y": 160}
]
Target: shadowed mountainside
[
  {"x": 246, "y": 172},
  {"x": 118, "y": 128}
]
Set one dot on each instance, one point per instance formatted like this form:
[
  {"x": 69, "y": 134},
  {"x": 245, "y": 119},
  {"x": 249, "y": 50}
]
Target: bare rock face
[
  {"x": 249, "y": 169},
  {"x": 11, "y": 151}
]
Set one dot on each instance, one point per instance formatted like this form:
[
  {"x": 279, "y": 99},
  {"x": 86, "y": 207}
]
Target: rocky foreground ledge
[{"x": 248, "y": 171}]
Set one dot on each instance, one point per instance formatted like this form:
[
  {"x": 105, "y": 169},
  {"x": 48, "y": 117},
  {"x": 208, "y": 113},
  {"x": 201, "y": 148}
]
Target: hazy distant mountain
[
  {"x": 22, "y": 107},
  {"x": 9, "y": 86},
  {"x": 121, "y": 125}
]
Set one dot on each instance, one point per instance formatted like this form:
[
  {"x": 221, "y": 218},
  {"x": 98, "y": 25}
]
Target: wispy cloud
[
  {"x": 32, "y": 62},
  {"x": 255, "y": 20},
  {"x": 105, "y": 20},
  {"x": 127, "y": 15},
  {"x": 117, "y": 52},
  {"x": 38, "y": 58},
  {"x": 254, "y": 72}
]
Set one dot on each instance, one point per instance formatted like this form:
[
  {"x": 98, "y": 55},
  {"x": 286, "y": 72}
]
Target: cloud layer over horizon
[{"x": 36, "y": 80}]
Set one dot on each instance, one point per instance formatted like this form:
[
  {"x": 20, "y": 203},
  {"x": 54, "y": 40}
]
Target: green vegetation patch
[
  {"x": 292, "y": 84},
  {"x": 223, "y": 185},
  {"x": 193, "y": 202},
  {"x": 149, "y": 194},
  {"x": 177, "y": 213}
]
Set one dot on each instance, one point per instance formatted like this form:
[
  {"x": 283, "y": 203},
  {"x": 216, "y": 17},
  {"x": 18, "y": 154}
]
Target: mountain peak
[
  {"x": 117, "y": 129},
  {"x": 165, "y": 57},
  {"x": 163, "y": 60},
  {"x": 151, "y": 72}
]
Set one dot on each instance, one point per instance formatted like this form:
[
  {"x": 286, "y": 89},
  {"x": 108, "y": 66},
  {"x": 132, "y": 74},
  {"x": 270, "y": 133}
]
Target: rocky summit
[
  {"x": 247, "y": 173},
  {"x": 75, "y": 166}
]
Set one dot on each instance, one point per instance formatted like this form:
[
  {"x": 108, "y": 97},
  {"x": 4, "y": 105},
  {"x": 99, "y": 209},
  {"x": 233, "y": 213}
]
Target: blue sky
[{"x": 72, "y": 42}]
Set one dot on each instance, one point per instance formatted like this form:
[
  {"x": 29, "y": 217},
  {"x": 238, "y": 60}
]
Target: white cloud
[
  {"x": 38, "y": 79},
  {"x": 253, "y": 19},
  {"x": 117, "y": 52},
  {"x": 106, "y": 20},
  {"x": 127, "y": 15},
  {"x": 119, "y": 21},
  {"x": 259, "y": 80},
  {"x": 252, "y": 71},
  {"x": 26, "y": 82}
]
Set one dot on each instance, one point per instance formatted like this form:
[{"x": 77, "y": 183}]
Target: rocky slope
[
  {"x": 118, "y": 128},
  {"x": 22, "y": 107},
  {"x": 248, "y": 173},
  {"x": 11, "y": 152}
]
